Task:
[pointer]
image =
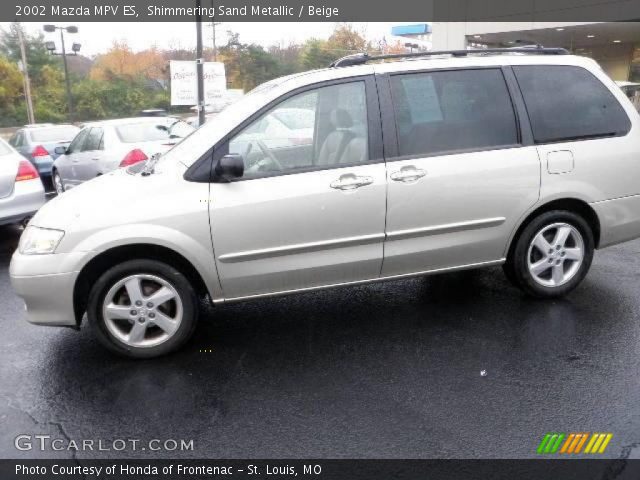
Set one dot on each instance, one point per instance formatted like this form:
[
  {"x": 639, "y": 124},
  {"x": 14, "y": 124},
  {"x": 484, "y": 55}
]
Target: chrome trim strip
[
  {"x": 300, "y": 248},
  {"x": 362, "y": 282},
  {"x": 446, "y": 228}
]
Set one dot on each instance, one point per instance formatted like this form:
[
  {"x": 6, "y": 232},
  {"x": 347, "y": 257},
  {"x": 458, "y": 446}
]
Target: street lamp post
[
  {"x": 74, "y": 47},
  {"x": 199, "y": 65}
]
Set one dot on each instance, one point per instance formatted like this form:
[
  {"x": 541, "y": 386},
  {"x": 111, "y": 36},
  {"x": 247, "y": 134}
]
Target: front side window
[
  {"x": 569, "y": 103},
  {"x": 324, "y": 127},
  {"x": 445, "y": 111},
  {"x": 94, "y": 137},
  {"x": 77, "y": 142}
]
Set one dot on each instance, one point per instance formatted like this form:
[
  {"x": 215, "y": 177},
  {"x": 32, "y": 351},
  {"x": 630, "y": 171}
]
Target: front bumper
[{"x": 46, "y": 283}]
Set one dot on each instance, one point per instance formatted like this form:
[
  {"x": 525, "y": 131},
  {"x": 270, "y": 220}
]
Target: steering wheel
[{"x": 268, "y": 153}]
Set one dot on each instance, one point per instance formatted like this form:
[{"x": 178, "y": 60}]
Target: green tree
[
  {"x": 36, "y": 52},
  {"x": 316, "y": 54},
  {"x": 248, "y": 65},
  {"x": 12, "y": 109}
]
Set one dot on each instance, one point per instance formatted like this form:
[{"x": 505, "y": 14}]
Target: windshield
[
  {"x": 160, "y": 130},
  {"x": 207, "y": 135},
  {"x": 53, "y": 134}
]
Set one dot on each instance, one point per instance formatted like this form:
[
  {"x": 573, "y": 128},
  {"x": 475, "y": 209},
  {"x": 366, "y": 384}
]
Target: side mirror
[
  {"x": 60, "y": 150},
  {"x": 229, "y": 167}
]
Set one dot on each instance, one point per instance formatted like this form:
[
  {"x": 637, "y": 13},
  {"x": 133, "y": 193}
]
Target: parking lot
[{"x": 390, "y": 370}]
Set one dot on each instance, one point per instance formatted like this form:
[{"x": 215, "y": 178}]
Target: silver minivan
[{"x": 526, "y": 159}]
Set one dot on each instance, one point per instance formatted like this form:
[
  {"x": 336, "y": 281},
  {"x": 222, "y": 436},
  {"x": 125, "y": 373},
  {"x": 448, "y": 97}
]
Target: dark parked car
[{"x": 37, "y": 143}]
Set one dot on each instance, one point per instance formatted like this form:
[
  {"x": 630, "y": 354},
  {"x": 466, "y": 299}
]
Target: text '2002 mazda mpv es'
[{"x": 410, "y": 167}]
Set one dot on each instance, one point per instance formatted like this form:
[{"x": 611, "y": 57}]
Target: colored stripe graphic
[
  {"x": 568, "y": 442},
  {"x": 572, "y": 443},
  {"x": 598, "y": 443},
  {"x": 584, "y": 439},
  {"x": 550, "y": 443}
]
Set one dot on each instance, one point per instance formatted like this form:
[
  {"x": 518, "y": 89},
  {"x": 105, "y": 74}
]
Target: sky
[{"x": 97, "y": 37}]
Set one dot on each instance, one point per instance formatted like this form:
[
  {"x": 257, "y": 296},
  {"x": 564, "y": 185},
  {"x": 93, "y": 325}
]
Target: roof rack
[{"x": 362, "y": 58}]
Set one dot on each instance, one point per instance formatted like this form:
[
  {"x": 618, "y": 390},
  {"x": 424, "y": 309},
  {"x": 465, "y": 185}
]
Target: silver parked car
[
  {"x": 526, "y": 159},
  {"x": 21, "y": 191},
  {"x": 38, "y": 142},
  {"x": 101, "y": 147}
]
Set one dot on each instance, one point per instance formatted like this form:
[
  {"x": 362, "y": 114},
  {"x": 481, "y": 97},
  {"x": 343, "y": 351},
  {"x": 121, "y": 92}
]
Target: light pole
[
  {"x": 199, "y": 64},
  {"x": 51, "y": 46}
]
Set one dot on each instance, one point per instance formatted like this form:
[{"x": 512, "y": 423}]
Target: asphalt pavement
[{"x": 390, "y": 370}]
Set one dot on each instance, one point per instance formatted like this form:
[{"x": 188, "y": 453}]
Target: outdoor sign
[{"x": 184, "y": 82}]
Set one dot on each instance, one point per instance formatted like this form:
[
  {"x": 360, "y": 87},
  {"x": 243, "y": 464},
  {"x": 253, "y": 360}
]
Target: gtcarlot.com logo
[{"x": 574, "y": 443}]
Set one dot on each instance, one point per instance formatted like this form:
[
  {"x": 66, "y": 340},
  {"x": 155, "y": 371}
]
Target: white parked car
[
  {"x": 21, "y": 191},
  {"x": 526, "y": 159},
  {"x": 101, "y": 147}
]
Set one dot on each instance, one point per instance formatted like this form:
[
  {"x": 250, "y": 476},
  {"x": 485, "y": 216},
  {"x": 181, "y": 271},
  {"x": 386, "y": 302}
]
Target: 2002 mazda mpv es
[{"x": 530, "y": 160}]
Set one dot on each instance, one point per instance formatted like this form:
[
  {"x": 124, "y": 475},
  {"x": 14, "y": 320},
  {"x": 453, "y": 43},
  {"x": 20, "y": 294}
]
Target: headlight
[{"x": 39, "y": 241}]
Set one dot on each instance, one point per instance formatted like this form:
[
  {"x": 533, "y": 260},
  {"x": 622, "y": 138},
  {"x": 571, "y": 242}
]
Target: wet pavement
[{"x": 390, "y": 370}]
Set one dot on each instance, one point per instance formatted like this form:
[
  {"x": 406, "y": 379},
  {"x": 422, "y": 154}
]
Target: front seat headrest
[{"x": 341, "y": 119}]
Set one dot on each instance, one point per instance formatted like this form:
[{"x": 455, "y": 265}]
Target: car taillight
[
  {"x": 26, "y": 171},
  {"x": 134, "y": 156},
  {"x": 39, "y": 151}
]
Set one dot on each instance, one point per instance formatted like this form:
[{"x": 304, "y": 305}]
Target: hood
[{"x": 112, "y": 199}]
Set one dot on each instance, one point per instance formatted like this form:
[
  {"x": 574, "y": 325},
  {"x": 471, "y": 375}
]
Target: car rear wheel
[
  {"x": 552, "y": 255},
  {"x": 57, "y": 182},
  {"x": 142, "y": 309}
]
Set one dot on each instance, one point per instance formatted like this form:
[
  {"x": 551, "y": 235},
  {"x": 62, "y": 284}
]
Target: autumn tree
[
  {"x": 121, "y": 62},
  {"x": 346, "y": 40}
]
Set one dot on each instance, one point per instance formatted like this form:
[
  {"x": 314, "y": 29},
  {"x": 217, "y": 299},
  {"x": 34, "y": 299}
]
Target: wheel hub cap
[
  {"x": 555, "y": 254},
  {"x": 142, "y": 310}
]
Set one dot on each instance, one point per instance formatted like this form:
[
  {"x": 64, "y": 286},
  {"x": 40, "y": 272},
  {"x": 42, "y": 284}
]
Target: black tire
[
  {"x": 517, "y": 269},
  {"x": 143, "y": 267}
]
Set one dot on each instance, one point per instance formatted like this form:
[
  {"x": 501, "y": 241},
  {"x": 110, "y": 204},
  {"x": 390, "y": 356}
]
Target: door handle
[
  {"x": 95, "y": 159},
  {"x": 408, "y": 174},
  {"x": 350, "y": 181}
]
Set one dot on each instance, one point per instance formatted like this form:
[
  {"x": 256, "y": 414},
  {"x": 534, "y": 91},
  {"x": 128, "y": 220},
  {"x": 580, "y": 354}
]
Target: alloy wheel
[
  {"x": 142, "y": 310},
  {"x": 555, "y": 254},
  {"x": 57, "y": 183}
]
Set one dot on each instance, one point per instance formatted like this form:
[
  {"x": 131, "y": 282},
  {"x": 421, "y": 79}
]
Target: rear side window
[
  {"x": 444, "y": 111},
  {"x": 569, "y": 103}
]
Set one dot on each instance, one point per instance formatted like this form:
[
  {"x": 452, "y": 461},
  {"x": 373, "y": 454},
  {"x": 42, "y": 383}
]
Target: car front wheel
[
  {"x": 142, "y": 309},
  {"x": 552, "y": 255},
  {"x": 57, "y": 182}
]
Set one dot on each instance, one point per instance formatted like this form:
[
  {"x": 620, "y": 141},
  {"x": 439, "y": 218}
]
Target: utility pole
[
  {"x": 25, "y": 72},
  {"x": 214, "y": 24},
  {"x": 199, "y": 64}
]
